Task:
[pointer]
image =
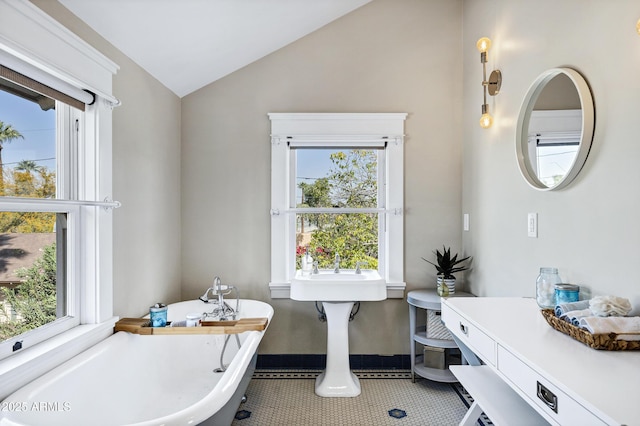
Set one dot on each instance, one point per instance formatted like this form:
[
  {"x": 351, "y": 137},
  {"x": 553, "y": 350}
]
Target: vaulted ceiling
[{"x": 187, "y": 44}]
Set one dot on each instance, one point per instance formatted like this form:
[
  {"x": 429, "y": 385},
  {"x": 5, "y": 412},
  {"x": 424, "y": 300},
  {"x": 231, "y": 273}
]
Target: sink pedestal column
[{"x": 337, "y": 380}]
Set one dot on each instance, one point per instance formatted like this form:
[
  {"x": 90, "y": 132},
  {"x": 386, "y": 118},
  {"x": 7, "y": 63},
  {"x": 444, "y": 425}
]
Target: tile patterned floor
[{"x": 388, "y": 398}]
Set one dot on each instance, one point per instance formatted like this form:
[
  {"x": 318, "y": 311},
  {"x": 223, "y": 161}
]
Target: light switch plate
[
  {"x": 465, "y": 220},
  {"x": 532, "y": 225}
]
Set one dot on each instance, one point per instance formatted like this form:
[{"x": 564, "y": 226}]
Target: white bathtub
[{"x": 130, "y": 379}]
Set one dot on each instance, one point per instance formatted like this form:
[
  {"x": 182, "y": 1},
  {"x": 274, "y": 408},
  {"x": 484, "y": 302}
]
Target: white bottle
[
  {"x": 307, "y": 264},
  {"x": 193, "y": 319},
  {"x": 303, "y": 263}
]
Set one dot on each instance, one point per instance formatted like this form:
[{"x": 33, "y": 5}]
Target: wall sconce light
[
  {"x": 638, "y": 27},
  {"x": 492, "y": 85}
]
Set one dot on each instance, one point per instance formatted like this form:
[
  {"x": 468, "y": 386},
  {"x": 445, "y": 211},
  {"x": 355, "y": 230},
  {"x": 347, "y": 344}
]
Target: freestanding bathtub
[{"x": 130, "y": 379}]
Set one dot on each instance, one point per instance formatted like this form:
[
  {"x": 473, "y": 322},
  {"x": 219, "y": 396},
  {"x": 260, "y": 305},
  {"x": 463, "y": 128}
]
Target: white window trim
[
  {"x": 336, "y": 130},
  {"x": 72, "y": 304},
  {"x": 31, "y": 36}
]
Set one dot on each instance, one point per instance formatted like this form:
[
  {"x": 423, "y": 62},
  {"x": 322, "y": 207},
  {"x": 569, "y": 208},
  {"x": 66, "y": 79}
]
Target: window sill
[
  {"x": 21, "y": 368},
  {"x": 282, "y": 290}
]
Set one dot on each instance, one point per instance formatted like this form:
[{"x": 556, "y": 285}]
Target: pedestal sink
[{"x": 338, "y": 292}]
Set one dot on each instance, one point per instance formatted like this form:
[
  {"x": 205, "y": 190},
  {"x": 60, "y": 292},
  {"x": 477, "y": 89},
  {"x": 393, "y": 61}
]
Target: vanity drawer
[
  {"x": 559, "y": 406},
  {"x": 470, "y": 335}
]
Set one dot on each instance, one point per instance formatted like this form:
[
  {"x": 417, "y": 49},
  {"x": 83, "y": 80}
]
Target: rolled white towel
[
  {"x": 610, "y": 306},
  {"x": 573, "y": 317},
  {"x": 627, "y": 328},
  {"x": 563, "y": 308}
]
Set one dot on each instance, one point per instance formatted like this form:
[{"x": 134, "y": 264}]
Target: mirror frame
[{"x": 586, "y": 133}]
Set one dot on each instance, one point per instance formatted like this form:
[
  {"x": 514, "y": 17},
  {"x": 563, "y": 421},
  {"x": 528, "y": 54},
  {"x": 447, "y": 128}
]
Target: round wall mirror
[{"x": 555, "y": 129}]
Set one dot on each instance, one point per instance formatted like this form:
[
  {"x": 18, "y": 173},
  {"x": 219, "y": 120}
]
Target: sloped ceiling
[{"x": 187, "y": 44}]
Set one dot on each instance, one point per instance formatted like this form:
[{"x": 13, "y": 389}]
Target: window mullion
[
  {"x": 72, "y": 155},
  {"x": 292, "y": 178},
  {"x": 68, "y": 124},
  {"x": 382, "y": 218}
]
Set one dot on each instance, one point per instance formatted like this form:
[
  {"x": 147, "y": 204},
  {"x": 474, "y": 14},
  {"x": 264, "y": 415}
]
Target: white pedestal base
[{"x": 337, "y": 380}]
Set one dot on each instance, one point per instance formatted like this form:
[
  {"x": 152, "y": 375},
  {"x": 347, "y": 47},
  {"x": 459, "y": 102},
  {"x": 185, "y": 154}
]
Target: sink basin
[{"x": 327, "y": 286}]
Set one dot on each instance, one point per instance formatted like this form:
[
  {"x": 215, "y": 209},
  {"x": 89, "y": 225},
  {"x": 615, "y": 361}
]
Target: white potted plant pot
[{"x": 449, "y": 282}]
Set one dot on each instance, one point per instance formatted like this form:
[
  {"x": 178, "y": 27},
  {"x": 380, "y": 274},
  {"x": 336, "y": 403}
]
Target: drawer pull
[
  {"x": 464, "y": 329},
  {"x": 548, "y": 397}
]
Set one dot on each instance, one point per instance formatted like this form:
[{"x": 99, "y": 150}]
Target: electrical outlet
[{"x": 532, "y": 225}]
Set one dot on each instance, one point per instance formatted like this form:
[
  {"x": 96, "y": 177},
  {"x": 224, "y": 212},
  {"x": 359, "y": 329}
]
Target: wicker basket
[{"x": 606, "y": 342}]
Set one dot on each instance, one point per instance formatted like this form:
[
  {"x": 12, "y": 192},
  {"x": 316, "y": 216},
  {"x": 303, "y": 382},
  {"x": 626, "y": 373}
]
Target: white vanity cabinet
[{"x": 565, "y": 381}]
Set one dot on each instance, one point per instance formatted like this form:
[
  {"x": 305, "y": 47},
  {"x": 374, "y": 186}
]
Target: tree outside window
[
  {"x": 28, "y": 288},
  {"x": 351, "y": 182}
]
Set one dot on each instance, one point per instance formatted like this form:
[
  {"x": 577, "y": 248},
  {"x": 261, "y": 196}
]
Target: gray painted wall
[
  {"x": 589, "y": 230},
  {"x": 388, "y": 56}
]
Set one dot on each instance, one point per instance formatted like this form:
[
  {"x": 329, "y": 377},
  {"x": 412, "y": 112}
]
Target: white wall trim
[
  {"x": 345, "y": 124},
  {"x": 34, "y": 37},
  {"x": 335, "y": 129}
]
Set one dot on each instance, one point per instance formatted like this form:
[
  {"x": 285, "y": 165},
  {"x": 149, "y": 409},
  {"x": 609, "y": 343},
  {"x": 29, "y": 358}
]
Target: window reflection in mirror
[
  {"x": 554, "y": 140},
  {"x": 555, "y": 129}
]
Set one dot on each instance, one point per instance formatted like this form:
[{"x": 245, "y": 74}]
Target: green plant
[
  {"x": 447, "y": 265},
  {"x": 34, "y": 300}
]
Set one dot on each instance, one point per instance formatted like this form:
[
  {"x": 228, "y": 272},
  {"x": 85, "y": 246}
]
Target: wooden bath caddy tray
[{"x": 142, "y": 326}]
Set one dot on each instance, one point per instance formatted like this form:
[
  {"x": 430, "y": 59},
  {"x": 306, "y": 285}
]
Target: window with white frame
[
  {"x": 337, "y": 189},
  {"x": 55, "y": 193},
  {"x": 38, "y": 281}
]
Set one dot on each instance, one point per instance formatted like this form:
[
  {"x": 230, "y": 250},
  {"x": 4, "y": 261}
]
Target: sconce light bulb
[
  {"x": 486, "y": 120},
  {"x": 483, "y": 44},
  {"x": 638, "y": 26}
]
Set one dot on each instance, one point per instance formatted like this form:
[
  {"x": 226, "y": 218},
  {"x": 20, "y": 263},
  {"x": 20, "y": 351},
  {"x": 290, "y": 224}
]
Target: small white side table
[{"x": 428, "y": 300}]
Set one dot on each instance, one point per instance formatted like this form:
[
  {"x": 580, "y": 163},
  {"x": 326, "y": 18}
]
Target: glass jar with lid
[
  {"x": 545, "y": 287},
  {"x": 567, "y": 293}
]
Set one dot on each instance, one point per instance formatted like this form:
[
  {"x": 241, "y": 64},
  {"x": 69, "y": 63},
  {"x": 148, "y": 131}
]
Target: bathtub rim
[
  {"x": 198, "y": 412},
  {"x": 22, "y": 368}
]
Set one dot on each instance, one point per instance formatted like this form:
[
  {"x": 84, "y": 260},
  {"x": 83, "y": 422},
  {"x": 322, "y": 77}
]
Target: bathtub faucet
[{"x": 218, "y": 291}]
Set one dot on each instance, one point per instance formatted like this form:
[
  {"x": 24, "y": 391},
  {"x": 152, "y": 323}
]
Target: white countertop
[{"x": 606, "y": 382}]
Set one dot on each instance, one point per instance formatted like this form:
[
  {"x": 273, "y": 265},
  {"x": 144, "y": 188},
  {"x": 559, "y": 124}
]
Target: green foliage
[
  {"x": 8, "y": 134},
  {"x": 28, "y": 180},
  {"x": 353, "y": 236},
  {"x": 32, "y": 303},
  {"x": 34, "y": 300},
  {"x": 447, "y": 265},
  {"x": 315, "y": 194},
  {"x": 352, "y": 182},
  {"x": 36, "y": 182}
]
